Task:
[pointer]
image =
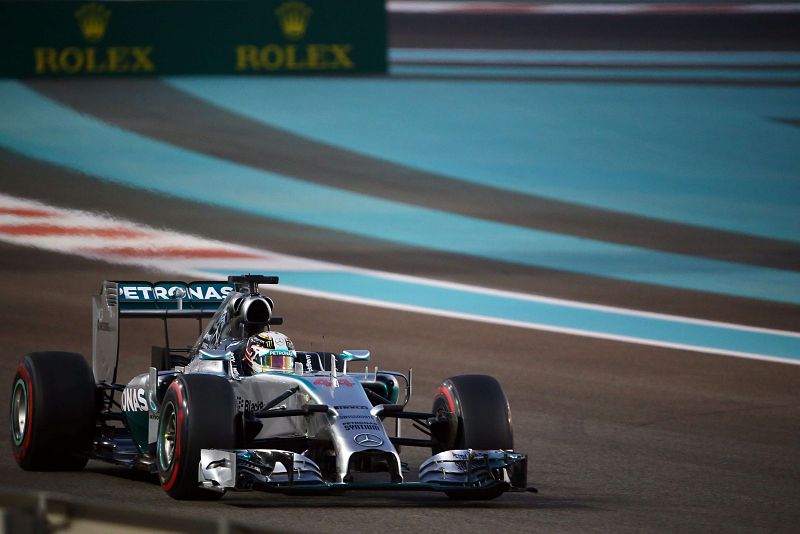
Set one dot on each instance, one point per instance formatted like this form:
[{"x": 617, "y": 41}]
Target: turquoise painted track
[
  {"x": 548, "y": 314},
  {"x": 509, "y": 144},
  {"x": 717, "y": 157},
  {"x": 58, "y": 135}
]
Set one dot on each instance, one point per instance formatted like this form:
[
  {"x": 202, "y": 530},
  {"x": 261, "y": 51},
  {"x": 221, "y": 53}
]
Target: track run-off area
[{"x": 614, "y": 234}]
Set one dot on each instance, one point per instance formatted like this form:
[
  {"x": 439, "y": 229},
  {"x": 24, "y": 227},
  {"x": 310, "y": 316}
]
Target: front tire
[
  {"x": 478, "y": 411},
  {"x": 478, "y": 418},
  {"x": 52, "y": 412},
  {"x": 197, "y": 413}
]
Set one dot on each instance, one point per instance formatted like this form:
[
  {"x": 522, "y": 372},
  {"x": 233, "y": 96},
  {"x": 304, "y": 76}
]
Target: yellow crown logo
[
  {"x": 92, "y": 20},
  {"x": 293, "y": 17}
]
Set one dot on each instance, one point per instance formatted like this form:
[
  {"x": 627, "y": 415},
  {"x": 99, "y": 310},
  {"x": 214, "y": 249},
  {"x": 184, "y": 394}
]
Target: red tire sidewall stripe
[
  {"x": 176, "y": 458},
  {"x": 445, "y": 392},
  {"x": 20, "y": 453}
]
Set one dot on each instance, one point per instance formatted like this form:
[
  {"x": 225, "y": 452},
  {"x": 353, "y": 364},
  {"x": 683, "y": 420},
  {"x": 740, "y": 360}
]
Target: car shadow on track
[
  {"x": 122, "y": 472},
  {"x": 368, "y": 500},
  {"x": 359, "y": 499}
]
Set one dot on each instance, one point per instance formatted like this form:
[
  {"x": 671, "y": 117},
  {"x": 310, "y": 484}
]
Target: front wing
[{"x": 271, "y": 470}]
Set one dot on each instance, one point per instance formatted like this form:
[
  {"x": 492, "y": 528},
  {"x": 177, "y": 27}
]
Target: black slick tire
[
  {"x": 52, "y": 412},
  {"x": 478, "y": 418},
  {"x": 197, "y": 413},
  {"x": 480, "y": 414}
]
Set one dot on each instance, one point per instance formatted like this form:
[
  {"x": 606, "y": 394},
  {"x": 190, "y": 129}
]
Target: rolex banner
[{"x": 134, "y": 38}]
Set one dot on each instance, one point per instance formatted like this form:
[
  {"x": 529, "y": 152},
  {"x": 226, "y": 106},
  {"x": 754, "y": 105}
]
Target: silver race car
[{"x": 243, "y": 409}]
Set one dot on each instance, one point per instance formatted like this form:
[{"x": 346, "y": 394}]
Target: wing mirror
[
  {"x": 354, "y": 355},
  {"x": 215, "y": 354}
]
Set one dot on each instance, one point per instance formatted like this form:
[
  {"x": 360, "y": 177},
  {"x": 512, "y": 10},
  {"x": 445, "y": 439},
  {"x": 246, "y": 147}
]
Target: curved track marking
[
  {"x": 388, "y": 290},
  {"x": 693, "y": 155},
  {"x": 61, "y": 136},
  {"x": 156, "y": 110}
]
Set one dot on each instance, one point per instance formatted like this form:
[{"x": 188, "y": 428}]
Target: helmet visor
[{"x": 282, "y": 360}]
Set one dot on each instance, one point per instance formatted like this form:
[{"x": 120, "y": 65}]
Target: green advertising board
[{"x": 152, "y": 37}]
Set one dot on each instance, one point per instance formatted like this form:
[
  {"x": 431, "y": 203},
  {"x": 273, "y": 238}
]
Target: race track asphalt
[
  {"x": 679, "y": 31},
  {"x": 621, "y": 437}
]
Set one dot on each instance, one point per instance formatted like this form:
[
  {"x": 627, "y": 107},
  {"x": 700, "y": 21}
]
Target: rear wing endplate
[{"x": 133, "y": 299}]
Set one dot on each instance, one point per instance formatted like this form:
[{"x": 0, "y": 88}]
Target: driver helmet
[{"x": 269, "y": 351}]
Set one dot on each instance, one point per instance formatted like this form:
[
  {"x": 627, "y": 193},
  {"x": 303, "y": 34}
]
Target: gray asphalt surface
[
  {"x": 620, "y": 437},
  {"x": 767, "y": 31}
]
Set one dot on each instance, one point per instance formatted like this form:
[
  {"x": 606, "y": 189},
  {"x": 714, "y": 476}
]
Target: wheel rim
[
  {"x": 166, "y": 436},
  {"x": 19, "y": 411}
]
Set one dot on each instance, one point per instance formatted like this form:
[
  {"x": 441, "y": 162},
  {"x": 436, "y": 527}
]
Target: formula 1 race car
[{"x": 241, "y": 409}]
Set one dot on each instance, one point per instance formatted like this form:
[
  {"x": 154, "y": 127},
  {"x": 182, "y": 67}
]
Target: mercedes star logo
[{"x": 368, "y": 440}]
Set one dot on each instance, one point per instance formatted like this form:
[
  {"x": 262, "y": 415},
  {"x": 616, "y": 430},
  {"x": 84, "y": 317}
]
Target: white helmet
[{"x": 269, "y": 351}]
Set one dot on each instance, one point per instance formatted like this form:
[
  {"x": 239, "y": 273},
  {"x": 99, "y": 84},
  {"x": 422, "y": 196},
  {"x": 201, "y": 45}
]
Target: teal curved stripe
[
  {"x": 40, "y": 128},
  {"x": 706, "y": 156},
  {"x": 559, "y": 315}
]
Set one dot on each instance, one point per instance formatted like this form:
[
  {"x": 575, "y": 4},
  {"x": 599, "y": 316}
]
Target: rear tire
[
  {"x": 197, "y": 413},
  {"x": 52, "y": 412},
  {"x": 479, "y": 418}
]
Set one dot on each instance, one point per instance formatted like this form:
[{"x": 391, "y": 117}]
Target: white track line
[
  {"x": 528, "y": 325},
  {"x": 102, "y": 237},
  {"x": 535, "y": 8}
]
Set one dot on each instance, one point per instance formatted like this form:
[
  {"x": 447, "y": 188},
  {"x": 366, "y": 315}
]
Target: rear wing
[{"x": 137, "y": 299}]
